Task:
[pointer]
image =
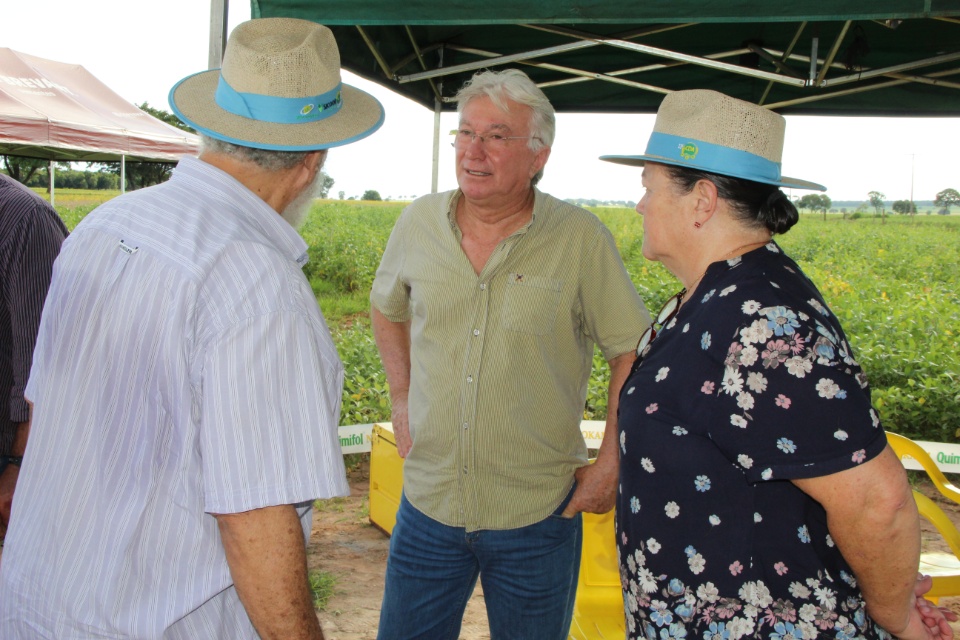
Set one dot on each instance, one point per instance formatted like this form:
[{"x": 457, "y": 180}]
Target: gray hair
[
  {"x": 265, "y": 159},
  {"x": 514, "y": 85}
]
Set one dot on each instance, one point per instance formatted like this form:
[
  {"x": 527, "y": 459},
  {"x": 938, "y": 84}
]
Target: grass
[
  {"x": 364, "y": 513},
  {"x": 322, "y": 587},
  {"x": 339, "y": 505},
  {"x": 335, "y": 505}
]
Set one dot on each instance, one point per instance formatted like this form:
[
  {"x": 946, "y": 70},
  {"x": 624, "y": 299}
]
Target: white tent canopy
[{"x": 59, "y": 111}]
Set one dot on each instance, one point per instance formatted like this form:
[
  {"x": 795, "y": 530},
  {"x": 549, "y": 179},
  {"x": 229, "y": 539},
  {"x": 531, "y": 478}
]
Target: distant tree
[
  {"x": 904, "y": 206},
  {"x": 809, "y": 201},
  {"x": 946, "y": 199},
  {"x": 166, "y": 116},
  {"x": 145, "y": 174},
  {"x": 341, "y": 194},
  {"x": 106, "y": 180},
  {"x": 370, "y": 194},
  {"x": 22, "y": 169},
  {"x": 825, "y": 202},
  {"x": 815, "y": 202},
  {"x": 326, "y": 186},
  {"x": 876, "y": 200}
]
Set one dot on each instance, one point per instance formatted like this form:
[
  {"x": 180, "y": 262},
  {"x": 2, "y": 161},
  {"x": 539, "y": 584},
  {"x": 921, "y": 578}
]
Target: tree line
[
  {"x": 943, "y": 201},
  {"x": 34, "y": 172},
  {"x": 821, "y": 202}
]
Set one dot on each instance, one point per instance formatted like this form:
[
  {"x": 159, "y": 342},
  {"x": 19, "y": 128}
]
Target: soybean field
[{"x": 894, "y": 282}]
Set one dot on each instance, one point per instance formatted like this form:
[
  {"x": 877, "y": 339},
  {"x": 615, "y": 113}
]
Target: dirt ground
[{"x": 346, "y": 544}]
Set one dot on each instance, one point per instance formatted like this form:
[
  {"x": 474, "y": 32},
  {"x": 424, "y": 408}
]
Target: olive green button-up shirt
[{"x": 500, "y": 361}]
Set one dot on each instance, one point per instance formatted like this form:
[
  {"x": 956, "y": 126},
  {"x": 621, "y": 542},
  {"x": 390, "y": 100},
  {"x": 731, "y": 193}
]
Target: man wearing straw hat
[{"x": 185, "y": 388}]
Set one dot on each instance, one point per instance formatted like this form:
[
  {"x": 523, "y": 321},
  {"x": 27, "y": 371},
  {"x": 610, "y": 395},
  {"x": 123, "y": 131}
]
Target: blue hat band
[
  {"x": 275, "y": 109},
  {"x": 711, "y": 157}
]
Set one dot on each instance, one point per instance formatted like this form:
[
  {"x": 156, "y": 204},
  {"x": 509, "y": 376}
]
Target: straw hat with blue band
[
  {"x": 710, "y": 131},
  {"x": 279, "y": 89}
]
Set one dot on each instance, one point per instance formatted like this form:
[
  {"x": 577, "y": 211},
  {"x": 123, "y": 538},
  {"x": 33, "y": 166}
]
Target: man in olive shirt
[{"x": 486, "y": 308}]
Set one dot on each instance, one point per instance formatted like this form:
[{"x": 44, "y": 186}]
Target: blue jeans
[{"x": 529, "y": 577}]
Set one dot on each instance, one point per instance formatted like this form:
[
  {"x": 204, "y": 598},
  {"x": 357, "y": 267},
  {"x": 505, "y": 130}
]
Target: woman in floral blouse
[{"x": 758, "y": 497}]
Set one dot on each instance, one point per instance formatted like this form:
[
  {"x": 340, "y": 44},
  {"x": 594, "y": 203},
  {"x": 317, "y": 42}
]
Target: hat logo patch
[
  {"x": 337, "y": 100},
  {"x": 308, "y": 110},
  {"x": 688, "y": 151}
]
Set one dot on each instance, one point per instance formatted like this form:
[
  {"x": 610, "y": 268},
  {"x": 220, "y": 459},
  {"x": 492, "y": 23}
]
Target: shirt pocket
[{"x": 530, "y": 303}]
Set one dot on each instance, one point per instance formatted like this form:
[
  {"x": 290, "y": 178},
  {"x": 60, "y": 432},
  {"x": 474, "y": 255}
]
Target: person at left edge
[
  {"x": 31, "y": 233},
  {"x": 185, "y": 388}
]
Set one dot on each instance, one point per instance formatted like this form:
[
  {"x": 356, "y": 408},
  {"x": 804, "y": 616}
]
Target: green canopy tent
[
  {"x": 819, "y": 57},
  {"x": 813, "y": 57}
]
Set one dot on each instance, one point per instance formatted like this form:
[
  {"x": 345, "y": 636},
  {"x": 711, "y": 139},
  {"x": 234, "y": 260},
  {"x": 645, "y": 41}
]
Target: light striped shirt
[
  {"x": 183, "y": 369},
  {"x": 500, "y": 361}
]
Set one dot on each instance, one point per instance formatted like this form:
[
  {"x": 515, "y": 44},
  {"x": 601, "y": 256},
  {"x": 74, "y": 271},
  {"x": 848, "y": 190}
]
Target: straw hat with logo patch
[
  {"x": 279, "y": 89},
  {"x": 710, "y": 131}
]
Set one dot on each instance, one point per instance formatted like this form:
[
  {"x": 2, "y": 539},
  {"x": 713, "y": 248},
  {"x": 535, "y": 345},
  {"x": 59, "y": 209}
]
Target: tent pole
[
  {"x": 123, "y": 175},
  {"x": 434, "y": 178},
  {"x": 833, "y": 53},
  {"x": 814, "y": 43},
  {"x": 218, "y": 32},
  {"x": 53, "y": 198},
  {"x": 872, "y": 87}
]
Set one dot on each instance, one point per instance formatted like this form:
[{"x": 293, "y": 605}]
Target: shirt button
[
  {"x": 465, "y": 425},
  {"x": 476, "y": 332},
  {"x": 483, "y": 286},
  {"x": 469, "y": 378}
]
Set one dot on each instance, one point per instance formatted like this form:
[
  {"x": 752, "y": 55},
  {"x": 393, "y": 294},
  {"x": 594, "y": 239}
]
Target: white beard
[{"x": 299, "y": 207}]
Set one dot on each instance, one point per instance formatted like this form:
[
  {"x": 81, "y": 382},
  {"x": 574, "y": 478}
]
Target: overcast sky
[{"x": 140, "y": 49}]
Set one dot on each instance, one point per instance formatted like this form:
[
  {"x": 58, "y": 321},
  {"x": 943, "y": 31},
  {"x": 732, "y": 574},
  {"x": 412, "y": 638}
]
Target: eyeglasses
[
  {"x": 669, "y": 309},
  {"x": 463, "y": 137}
]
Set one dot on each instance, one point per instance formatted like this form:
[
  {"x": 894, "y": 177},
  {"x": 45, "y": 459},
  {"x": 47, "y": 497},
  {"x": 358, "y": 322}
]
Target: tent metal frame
[
  {"x": 791, "y": 67},
  {"x": 788, "y": 76}
]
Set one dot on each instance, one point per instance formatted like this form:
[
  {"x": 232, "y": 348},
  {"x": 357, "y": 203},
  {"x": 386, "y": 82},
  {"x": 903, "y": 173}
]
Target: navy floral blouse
[{"x": 750, "y": 385}]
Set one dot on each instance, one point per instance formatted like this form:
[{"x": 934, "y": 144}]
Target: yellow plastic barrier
[
  {"x": 598, "y": 611},
  {"x": 386, "y": 478},
  {"x": 943, "y": 567}
]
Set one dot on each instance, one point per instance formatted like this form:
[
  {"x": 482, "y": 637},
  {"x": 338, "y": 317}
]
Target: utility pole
[{"x": 913, "y": 207}]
